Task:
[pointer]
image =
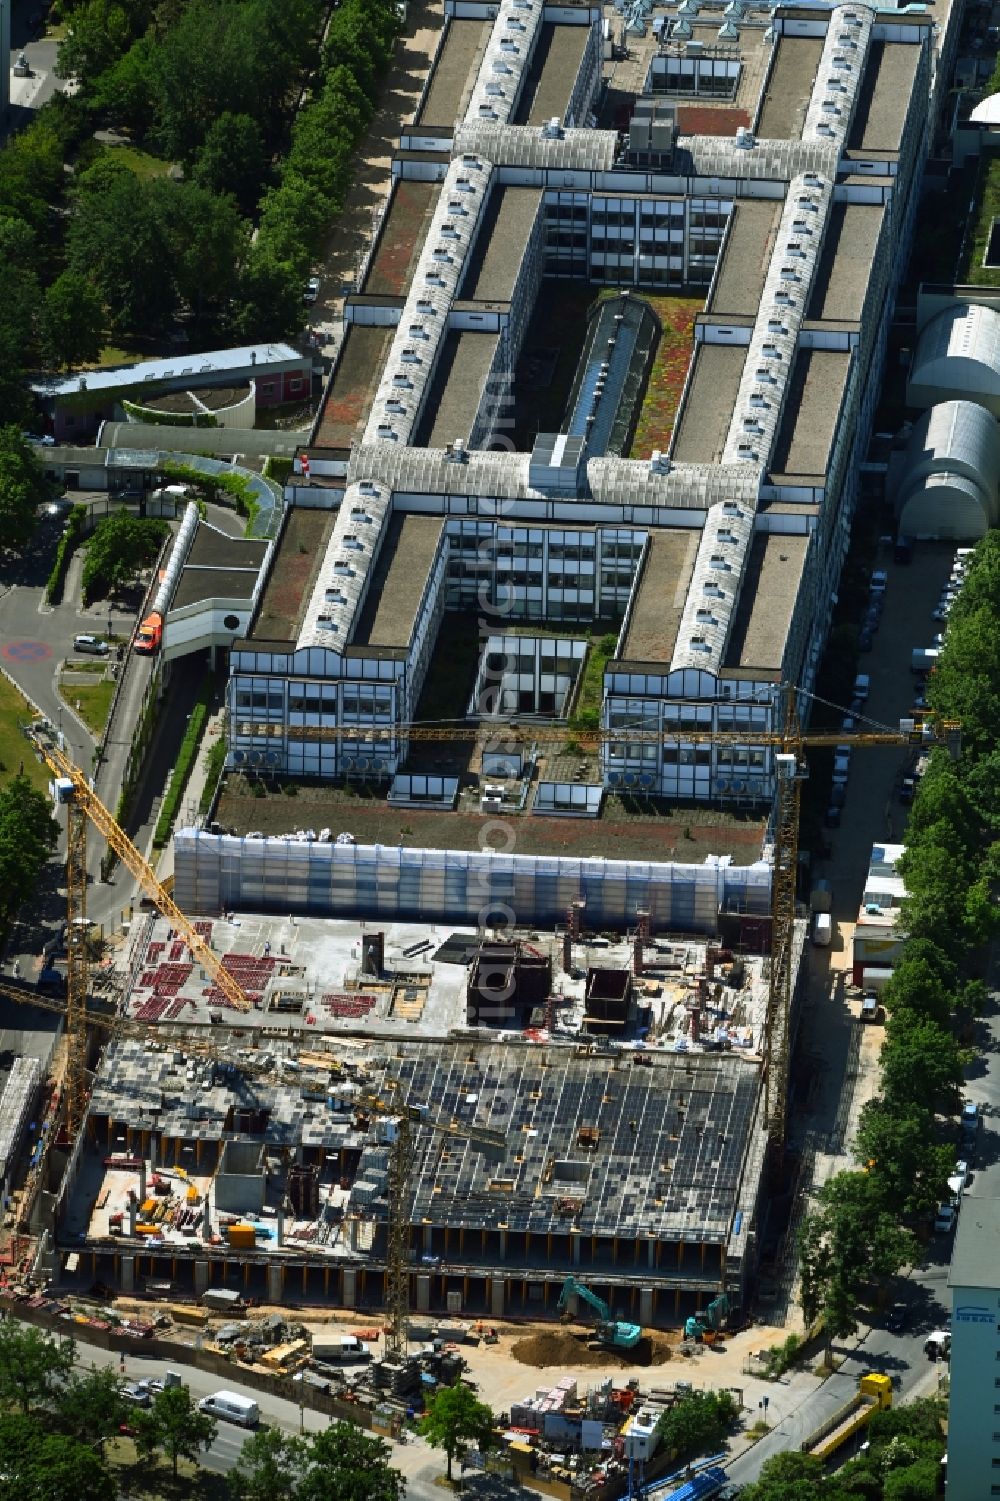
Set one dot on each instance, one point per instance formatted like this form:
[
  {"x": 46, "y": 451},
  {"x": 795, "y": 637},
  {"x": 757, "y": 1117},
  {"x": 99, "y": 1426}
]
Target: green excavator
[
  {"x": 707, "y": 1325},
  {"x": 612, "y": 1332}
]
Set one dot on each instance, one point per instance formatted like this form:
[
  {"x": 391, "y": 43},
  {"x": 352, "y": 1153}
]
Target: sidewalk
[{"x": 188, "y": 815}]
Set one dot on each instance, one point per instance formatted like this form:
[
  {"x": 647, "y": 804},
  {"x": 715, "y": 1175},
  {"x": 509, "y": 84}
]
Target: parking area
[{"x": 872, "y": 807}]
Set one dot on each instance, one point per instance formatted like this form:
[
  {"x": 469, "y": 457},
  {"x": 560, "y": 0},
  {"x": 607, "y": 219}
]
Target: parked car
[
  {"x": 870, "y": 1008},
  {"x": 961, "y": 1170},
  {"x": 879, "y": 580},
  {"x": 907, "y": 789},
  {"x": 970, "y": 1118},
  {"x": 944, "y": 1220},
  {"x": 865, "y": 640},
  {"x": 137, "y": 1392},
  {"x": 857, "y": 708},
  {"x": 831, "y": 818},
  {"x": 90, "y": 646},
  {"x": 862, "y": 686},
  {"x": 940, "y": 612},
  {"x": 838, "y": 795},
  {"x": 312, "y": 289},
  {"x": 897, "y": 1318},
  {"x": 841, "y": 769}
]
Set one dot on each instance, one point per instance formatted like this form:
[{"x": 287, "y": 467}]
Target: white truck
[{"x": 232, "y": 1407}]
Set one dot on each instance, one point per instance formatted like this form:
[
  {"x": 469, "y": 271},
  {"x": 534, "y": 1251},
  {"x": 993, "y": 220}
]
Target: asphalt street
[{"x": 418, "y": 1462}]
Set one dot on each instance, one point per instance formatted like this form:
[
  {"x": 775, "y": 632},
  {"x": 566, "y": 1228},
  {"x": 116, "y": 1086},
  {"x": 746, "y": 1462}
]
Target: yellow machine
[{"x": 874, "y": 1393}]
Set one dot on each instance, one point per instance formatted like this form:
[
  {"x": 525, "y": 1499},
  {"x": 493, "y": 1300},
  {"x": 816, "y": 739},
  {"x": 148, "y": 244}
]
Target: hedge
[
  {"x": 184, "y": 764},
  {"x": 68, "y": 543},
  {"x": 157, "y": 418},
  {"x": 243, "y": 498}
]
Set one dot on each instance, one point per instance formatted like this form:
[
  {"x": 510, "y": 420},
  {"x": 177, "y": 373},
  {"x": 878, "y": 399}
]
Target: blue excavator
[{"x": 614, "y": 1333}]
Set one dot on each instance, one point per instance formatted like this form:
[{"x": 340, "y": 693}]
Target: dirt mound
[{"x": 561, "y": 1348}]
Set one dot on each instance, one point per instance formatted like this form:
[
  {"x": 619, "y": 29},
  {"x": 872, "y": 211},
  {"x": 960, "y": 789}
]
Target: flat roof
[
  {"x": 454, "y": 72},
  {"x": 463, "y": 365},
  {"x": 658, "y": 603},
  {"x": 884, "y": 98},
  {"x": 173, "y": 367},
  {"x": 812, "y": 412},
  {"x": 844, "y": 271},
  {"x": 219, "y": 567},
  {"x": 789, "y": 87},
  {"x": 407, "y": 555},
  {"x": 753, "y": 229},
  {"x": 974, "y": 1254},
  {"x": 292, "y": 575},
  {"x": 548, "y": 87},
  {"x": 500, "y": 245},
  {"x": 348, "y": 401},
  {"x": 700, "y": 435},
  {"x": 767, "y": 600},
  {"x": 404, "y": 230}
]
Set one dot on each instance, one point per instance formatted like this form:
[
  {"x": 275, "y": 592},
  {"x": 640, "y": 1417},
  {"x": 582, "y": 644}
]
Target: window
[
  {"x": 295, "y": 385},
  {"x": 267, "y": 388}
]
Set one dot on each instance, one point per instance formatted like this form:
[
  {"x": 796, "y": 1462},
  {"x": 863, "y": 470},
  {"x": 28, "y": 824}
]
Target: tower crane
[
  {"x": 83, "y": 806},
  {"x": 789, "y": 743}
]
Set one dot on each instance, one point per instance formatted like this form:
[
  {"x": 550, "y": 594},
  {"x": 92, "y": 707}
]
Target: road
[
  {"x": 873, "y": 811},
  {"x": 418, "y": 1462}
]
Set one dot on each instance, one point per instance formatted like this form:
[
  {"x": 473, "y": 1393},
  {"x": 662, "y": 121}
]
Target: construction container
[{"x": 244, "y": 1237}]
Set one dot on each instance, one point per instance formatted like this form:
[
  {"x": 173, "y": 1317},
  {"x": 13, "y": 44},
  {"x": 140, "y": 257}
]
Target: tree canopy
[
  {"x": 455, "y": 1419},
  {"x": 121, "y": 544},
  {"x": 698, "y": 1423},
  {"x": 174, "y": 1424},
  {"x": 342, "y": 1463},
  {"x": 23, "y": 487}
]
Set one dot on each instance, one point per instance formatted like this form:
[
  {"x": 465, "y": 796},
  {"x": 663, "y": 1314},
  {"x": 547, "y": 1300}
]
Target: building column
[
  {"x": 645, "y": 1306},
  {"x": 428, "y": 1231},
  {"x": 423, "y": 1293},
  {"x": 275, "y": 1278},
  {"x": 200, "y": 1277},
  {"x": 350, "y": 1288},
  {"x": 575, "y": 1243},
  {"x": 128, "y": 1274},
  {"x": 496, "y": 1297}
]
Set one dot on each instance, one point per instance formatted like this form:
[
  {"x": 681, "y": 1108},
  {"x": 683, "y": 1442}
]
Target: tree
[
  {"x": 32, "y": 1364},
  {"x": 121, "y": 544},
  {"x": 851, "y": 1239},
  {"x": 898, "y": 1149},
  {"x": 91, "y": 1407},
  {"x": 174, "y": 1424},
  {"x": 97, "y": 34},
  {"x": 35, "y": 1463},
  {"x": 23, "y": 487},
  {"x": 698, "y": 1423},
  {"x": 232, "y": 159},
  {"x": 788, "y": 1477},
  {"x": 71, "y": 321},
  {"x": 267, "y": 302},
  {"x": 270, "y": 1465},
  {"x": 454, "y": 1419},
  {"x": 345, "y": 1464},
  {"x": 921, "y": 1065}
]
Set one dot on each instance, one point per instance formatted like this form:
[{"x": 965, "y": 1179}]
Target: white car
[
  {"x": 312, "y": 289},
  {"x": 862, "y": 685}
]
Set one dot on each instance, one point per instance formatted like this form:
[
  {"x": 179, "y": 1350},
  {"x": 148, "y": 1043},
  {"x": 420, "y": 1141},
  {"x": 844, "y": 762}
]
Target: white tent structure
[
  {"x": 950, "y": 474},
  {"x": 958, "y": 358},
  {"x": 987, "y": 111}
]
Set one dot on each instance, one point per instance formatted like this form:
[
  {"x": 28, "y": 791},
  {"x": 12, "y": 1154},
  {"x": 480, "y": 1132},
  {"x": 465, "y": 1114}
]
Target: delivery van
[
  {"x": 149, "y": 635},
  {"x": 822, "y": 929},
  {"x": 232, "y": 1407}
]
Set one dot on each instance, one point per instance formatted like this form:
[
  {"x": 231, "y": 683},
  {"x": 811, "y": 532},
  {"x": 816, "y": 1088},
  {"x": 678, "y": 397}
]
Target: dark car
[
  {"x": 865, "y": 641},
  {"x": 896, "y": 1318},
  {"x": 831, "y": 819}
]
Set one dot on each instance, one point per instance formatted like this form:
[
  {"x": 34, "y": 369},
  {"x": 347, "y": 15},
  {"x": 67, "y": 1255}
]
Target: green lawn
[
  {"x": 92, "y": 701},
  {"x": 978, "y": 235},
  {"x": 142, "y": 1481},
  {"x": 15, "y": 752},
  {"x": 140, "y": 162}
]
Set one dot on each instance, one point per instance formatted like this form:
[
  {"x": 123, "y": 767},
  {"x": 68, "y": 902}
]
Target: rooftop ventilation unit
[
  {"x": 745, "y": 138},
  {"x": 552, "y": 129}
]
